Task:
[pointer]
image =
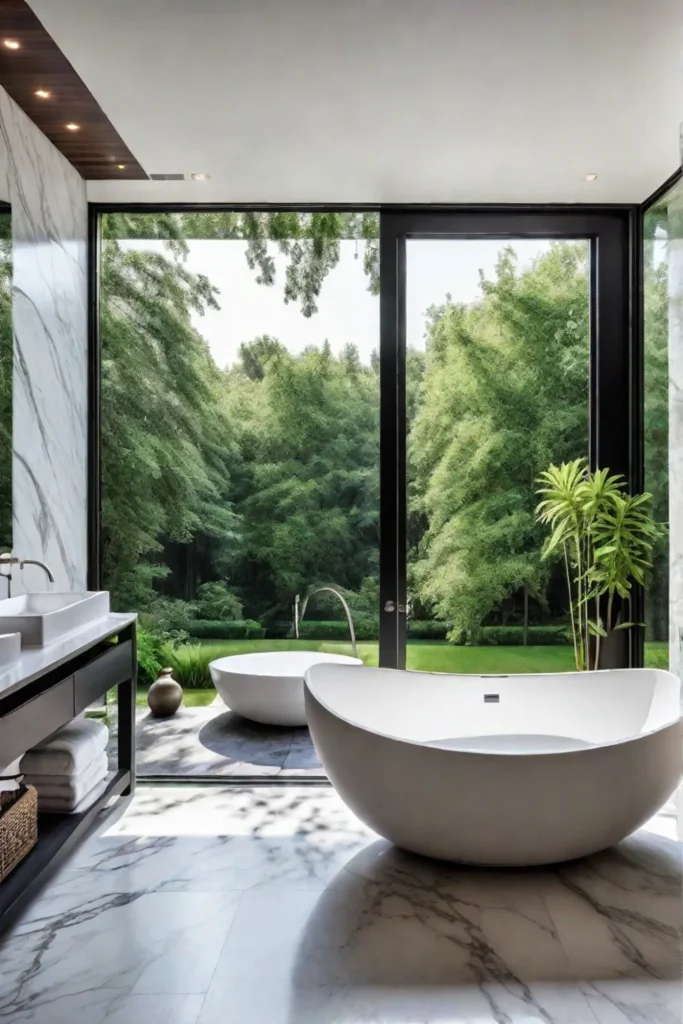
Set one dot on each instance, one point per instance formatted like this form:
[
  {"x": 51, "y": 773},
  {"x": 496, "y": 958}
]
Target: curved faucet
[
  {"x": 41, "y": 565},
  {"x": 318, "y": 590},
  {"x": 8, "y": 559}
]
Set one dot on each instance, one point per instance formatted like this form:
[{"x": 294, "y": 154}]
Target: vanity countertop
[{"x": 35, "y": 662}]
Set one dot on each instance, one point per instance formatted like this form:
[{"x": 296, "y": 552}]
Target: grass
[
  {"x": 191, "y": 698},
  {"x": 191, "y": 662}
]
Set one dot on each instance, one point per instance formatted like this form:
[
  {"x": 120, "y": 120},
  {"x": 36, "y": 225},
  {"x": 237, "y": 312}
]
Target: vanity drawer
[
  {"x": 38, "y": 718},
  {"x": 108, "y": 669}
]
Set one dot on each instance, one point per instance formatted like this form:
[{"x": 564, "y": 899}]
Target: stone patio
[{"x": 215, "y": 741}]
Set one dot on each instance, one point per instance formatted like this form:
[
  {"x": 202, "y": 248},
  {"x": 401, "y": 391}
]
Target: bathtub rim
[{"x": 633, "y": 738}]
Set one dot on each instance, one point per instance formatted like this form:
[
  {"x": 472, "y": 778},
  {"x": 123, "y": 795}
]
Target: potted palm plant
[{"x": 605, "y": 537}]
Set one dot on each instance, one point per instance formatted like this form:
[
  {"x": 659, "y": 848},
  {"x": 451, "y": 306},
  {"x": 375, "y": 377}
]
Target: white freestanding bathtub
[
  {"x": 269, "y": 686},
  {"x": 511, "y": 770}
]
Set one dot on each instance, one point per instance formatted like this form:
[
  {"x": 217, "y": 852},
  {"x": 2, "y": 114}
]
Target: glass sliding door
[{"x": 507, "y": 361}]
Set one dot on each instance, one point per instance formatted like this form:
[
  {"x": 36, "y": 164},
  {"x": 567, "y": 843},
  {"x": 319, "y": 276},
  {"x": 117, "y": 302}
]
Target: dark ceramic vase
[{"x": 165, "y": 695}]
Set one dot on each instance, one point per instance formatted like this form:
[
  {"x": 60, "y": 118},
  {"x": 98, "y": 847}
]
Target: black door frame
[
  {"x": 615, "y": 408},
  {"x": 615, "y": 375}
]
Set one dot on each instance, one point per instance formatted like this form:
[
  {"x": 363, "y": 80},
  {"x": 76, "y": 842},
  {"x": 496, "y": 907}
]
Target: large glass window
[
  {"x": 663, "y": 319},
  {"x": 497, "y": 389},
  {"x": 240, "y": 432}
]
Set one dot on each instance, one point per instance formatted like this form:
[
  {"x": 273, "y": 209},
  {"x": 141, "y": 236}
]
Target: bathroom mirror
[{"x": 6, "y": 373}]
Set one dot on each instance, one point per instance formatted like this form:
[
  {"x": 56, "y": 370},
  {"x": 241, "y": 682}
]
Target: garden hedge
[
  {"x": 237, "y": 629},
  {"x": 513, "y": 636}
]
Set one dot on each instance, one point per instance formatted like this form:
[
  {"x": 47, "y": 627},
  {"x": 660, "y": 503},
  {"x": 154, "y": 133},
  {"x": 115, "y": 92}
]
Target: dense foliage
[
  {"x": 505, "y": 393},
  {"x": 228, "y": 491}
]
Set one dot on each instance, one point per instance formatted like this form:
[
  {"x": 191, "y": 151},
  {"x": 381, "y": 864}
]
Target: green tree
[
  {"x": 505, "y": 393},
  {"x": 310, "y": 241},
  {"x": 167, "y": 446},
  {"x": 308, "y": 497},
  {"x": 656, "y": 427}
]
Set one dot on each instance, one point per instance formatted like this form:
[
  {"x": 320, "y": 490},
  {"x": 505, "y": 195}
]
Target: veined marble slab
[
  {"x": 275, "y": 905},
  {"x": 49, "y": 231}
]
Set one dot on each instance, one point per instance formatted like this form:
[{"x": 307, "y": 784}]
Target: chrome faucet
[
  {"x": 298, "y": 616},
  {"x": 8, "y": 559}
]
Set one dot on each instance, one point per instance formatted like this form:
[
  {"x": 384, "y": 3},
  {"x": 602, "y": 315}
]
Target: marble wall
[{"x": 49, "y": 227}]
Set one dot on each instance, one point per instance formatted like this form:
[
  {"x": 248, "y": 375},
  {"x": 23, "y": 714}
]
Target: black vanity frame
[
  {"x": 616, "y": 358},
  {"x": 39, "y": 706}
]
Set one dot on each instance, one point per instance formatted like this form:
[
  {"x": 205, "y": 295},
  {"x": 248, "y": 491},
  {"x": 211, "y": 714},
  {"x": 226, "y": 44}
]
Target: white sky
[{"x": 347, "y": 312}]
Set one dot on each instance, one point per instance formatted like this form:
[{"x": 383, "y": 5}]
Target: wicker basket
[{"x": 18, "y": 827}]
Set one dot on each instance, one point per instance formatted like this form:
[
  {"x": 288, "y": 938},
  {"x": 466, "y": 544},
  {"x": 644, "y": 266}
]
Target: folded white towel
[
  {"x": 73, "y": 787},
  {"x": 62, "y": 805},
  {"x": 69, "y": 750}
]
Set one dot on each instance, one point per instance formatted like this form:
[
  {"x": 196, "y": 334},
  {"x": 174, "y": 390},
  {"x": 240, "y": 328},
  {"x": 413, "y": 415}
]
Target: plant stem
[
  {"x": 579, "y": 598},
  {"x": 571, "y": 609},
  {"x": 586, "y": 544},
  {"x": 597, "y": 639}
]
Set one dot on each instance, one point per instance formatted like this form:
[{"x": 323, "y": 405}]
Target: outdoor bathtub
[
  {"x": 501, "y": 771},
  {"x": 268, "y": 686}
]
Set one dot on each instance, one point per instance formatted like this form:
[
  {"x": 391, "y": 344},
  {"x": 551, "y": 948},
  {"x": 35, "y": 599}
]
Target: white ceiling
[{"x": 384, "y": 100}]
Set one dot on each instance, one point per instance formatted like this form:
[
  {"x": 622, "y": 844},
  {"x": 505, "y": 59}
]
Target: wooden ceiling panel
[{"x": 96, "y": 150}]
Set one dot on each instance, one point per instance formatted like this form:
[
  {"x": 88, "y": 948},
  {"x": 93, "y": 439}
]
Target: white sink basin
[
  {"x": 10, "y": 649},
  {"x": 43, "y": 618}
]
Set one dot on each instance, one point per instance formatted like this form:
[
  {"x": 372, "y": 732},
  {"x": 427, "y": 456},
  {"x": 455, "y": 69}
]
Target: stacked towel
[{"x": 69, "y": 769}]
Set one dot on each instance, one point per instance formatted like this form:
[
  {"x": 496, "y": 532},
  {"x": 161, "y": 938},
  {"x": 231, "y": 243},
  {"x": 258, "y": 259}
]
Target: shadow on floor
[
  {"x": 230, "y": 735},
  {"x": 604, "y": 927},
  {"x": 215, "y": 741}
]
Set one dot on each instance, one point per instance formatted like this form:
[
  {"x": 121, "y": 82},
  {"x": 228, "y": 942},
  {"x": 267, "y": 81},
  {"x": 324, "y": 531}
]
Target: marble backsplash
[{"x": 49, "y": 228}]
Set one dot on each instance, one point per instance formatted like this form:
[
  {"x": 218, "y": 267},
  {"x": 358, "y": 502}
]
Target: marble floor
[
  {"x": 215, "y": 741},
  {"x": 274, "y": 905}
]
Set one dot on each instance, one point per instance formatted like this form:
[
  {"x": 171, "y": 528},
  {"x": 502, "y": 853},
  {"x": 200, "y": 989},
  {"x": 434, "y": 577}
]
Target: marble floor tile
[
  {"x": 619, "y": 916},
  {"x": 136, "y": 943},
  {"x": 242, "y": 905},
  {"x": 630, "y": 1001},
  {"x": 215, "y": 741},
  {"x": 206, "y": 839},
  {"x": 396, "y": 938},
  {"x": 110, "y": 1006}
]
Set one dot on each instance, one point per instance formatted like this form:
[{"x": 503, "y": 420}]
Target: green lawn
[
  {"x": 191, "y": 698},
  {"x": 425, "y": 656}
]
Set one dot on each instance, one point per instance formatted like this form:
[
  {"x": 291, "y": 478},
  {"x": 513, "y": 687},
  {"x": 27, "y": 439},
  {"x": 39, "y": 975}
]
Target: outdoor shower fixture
[{"x": 298, "y": 615}]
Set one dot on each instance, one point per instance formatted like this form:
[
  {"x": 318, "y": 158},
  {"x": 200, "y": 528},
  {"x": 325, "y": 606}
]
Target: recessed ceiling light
[
  {"x": 12, "y": 44},
  {"x": 121, "y": 167},
  {"x": 591, "y": 176},
  {"x": 72, "y": 127},
  {"x": 200, "y": 176},
  {"x": 43, "y": 94}
]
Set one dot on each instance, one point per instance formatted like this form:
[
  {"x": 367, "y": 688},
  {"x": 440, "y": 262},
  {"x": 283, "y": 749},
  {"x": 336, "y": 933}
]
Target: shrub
[
  {"x": 241, "y": 629},
  {"x": 150, "y": 647},
  {"x": 426, "y": 629},
  {"x": 168, "y": 615},
  {"x": 335, "y": 629},
  {"x": 216, "y": 602},
  {"x": 513, "y": 636}
]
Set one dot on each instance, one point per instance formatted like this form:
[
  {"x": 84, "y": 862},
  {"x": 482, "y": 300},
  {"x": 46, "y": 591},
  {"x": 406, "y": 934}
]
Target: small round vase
[{"x": 165, "y": 695}]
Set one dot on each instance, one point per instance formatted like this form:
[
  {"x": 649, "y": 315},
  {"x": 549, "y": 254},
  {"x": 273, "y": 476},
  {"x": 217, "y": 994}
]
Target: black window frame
[{"x": 616, "y": 388}]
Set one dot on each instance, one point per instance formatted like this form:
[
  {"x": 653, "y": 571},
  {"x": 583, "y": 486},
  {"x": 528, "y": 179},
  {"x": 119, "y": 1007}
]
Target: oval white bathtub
[
  {"x": 268, "y": 686},
  {"x": 501, "y": 771}
]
